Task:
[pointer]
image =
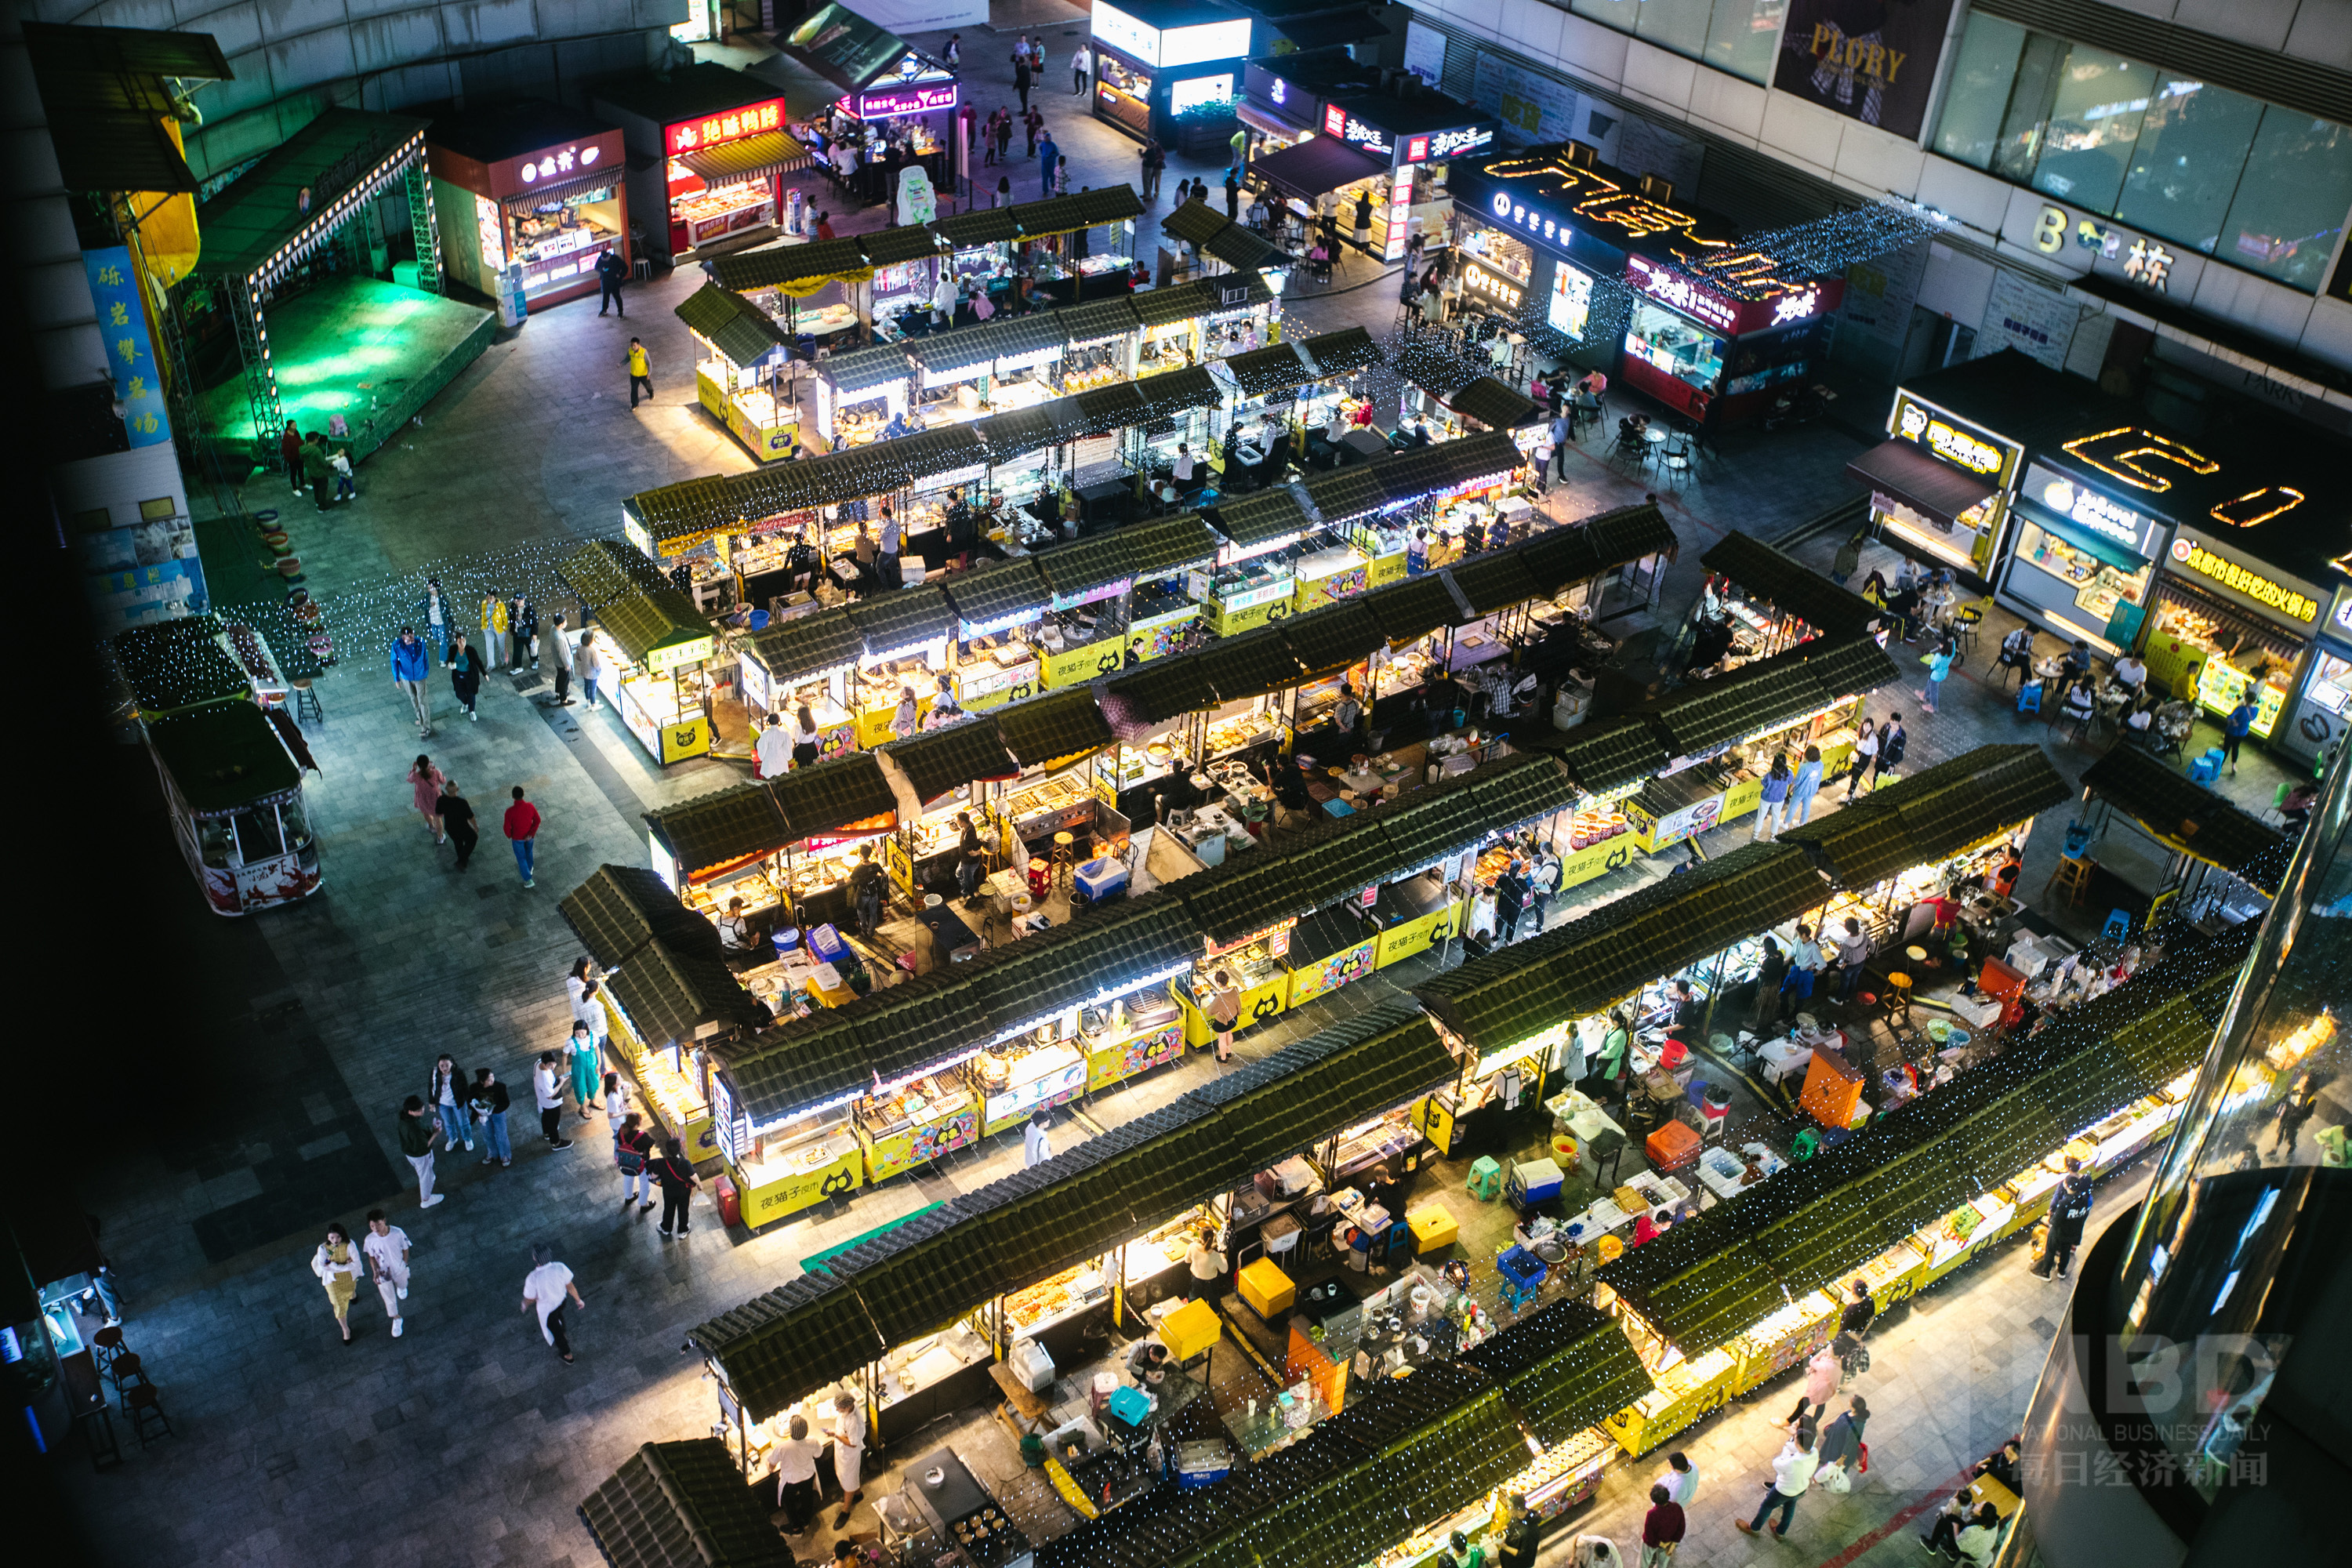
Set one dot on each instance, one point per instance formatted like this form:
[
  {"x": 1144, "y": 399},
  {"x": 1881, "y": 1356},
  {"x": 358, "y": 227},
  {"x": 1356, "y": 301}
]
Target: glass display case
[
  {"x": 557, "y": 243},
  {"x": 2098, "y": 585},
  {"x": 1676, "y": 346},
  {"x": 1246, "y": 594}
]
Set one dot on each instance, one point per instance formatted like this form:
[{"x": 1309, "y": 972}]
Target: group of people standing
[{"x": 315, "y": 463}]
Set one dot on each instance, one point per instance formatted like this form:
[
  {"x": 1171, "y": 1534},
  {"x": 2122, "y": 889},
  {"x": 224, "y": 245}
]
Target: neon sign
[
  {"x": 2121, "y": 448},
  {"x": 1338, "y": 122},
  {"x": 2088, "y": 507},
  {"x": 1962, "y": 448},
  {"x": 890, "y": 103},
  {"x": 1675, "y": 290},
  {"x": 556, "y": 163},
  {"x": 1443, "y": 144},
  {"x": 2257, "y": 507},
  {"x": 712, "y": 129},
  {"x": 2245, "y": 583},
  {"x": 1477, "y": 279}
]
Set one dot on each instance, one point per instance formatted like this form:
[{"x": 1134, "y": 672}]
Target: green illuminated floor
[{"x": 373, "y": 352}]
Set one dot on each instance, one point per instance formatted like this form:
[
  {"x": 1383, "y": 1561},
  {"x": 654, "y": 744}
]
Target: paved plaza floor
[{"x": 258, "y": 1102}]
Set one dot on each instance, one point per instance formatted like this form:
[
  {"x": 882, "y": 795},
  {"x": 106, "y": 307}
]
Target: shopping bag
[
  {"x": 1864, "y": 1467},
  {"x": 1833, "y": 1479}
]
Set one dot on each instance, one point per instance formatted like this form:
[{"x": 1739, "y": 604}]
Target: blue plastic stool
[
  {"x": 2206, "y": 768},
  {"x": 2029, "y": 698},
  {"x": 2118, "y": 926}
]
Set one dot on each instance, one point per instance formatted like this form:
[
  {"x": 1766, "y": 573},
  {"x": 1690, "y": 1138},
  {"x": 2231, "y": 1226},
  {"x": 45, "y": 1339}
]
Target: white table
[{"x": 1783, "y": 1057}]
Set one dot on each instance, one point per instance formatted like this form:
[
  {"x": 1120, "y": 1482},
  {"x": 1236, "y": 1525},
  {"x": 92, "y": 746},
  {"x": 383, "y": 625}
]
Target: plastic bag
[{"x": 1833, "y": 1479}]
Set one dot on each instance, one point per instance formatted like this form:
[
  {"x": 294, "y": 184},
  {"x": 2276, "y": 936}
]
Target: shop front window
[
  {"x": 2235, "y": 659},
  {"x": 2099, "y": 586},
  {"x": 1498, "y": 252},
  {"x": 1966, "y": 541},
  {"x": 2292, "y": 199},
  {"x": 297, "y": 825},
  {"x": 1734, "y": 35},
  {"x": 1570, "y": 306},
  {"x": 558, "y": 242},
  {"x": 2331, "y": 683},
  {"x": 2191, "y": 151},
  {"x": 1196, "y": 92},
  {"x": 1674, "y": 345},
  {"x": 1123, "y": 90},
  {"x": 215, "y": 843}
]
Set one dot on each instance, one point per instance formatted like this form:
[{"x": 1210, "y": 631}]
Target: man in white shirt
[
  {"x": 773, "y": 748},
  {"x": 1035, "y": 1149},
  {"x": 1854, "y": 950},
  {"x": 543, "y": 1291},
  {"x": 547, "y": 1093},
  {"x": 1793, "y": 1472},
  {"x": 1680, "y": 1480},
  {"x": 737, "y": 935},
  {"x": 1185, "y": 464},
  {"x": 2131, "y": 671},
  {"x": 386, "y": 1248}
]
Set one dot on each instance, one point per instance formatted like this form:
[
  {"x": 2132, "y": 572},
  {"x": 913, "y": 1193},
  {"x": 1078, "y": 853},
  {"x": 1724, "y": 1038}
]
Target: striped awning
[
  {"x": 769, "y": 152},
  {"x": 556, "y": 192}
]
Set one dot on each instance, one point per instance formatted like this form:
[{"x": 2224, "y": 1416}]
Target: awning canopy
[
  {"x": 1910, "y": 475},
  {"x": 736, "y": 327},
  {"x": 1053, "y": 729},
  {"x": 785, "y": 266},
  {"x": 1315, "y": 167},
  {"x": 721, "y": 829},
  {"x": 849, "y": 791},
  {"x": 620, "y": 909},
  {"x": 2188, "y": 818},
  {"x": 684, "y": 1505},
  {"x": 1495, "y": 405},
  {"x": 1760, "y": 569},
  {"x": 769, "y": 153}
]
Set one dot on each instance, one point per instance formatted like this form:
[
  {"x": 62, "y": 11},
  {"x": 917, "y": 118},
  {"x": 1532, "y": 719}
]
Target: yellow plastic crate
[{"x": 1267, "y": 1288}]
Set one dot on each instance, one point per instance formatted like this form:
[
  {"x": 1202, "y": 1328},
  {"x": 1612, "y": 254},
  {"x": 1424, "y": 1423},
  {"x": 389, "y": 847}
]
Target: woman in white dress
[{"x": 848, "y": 1454}]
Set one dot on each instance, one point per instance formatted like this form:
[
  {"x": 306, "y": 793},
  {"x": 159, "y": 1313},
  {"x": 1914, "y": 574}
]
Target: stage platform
[{"x": 374, "y": 352}]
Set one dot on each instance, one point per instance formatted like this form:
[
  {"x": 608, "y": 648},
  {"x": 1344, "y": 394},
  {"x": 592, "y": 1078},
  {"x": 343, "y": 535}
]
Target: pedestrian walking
[
  {"x": 489, "y": 1102},
  {"x": 2069, "y": 1206},
  {"x": 526, "y": 634},
  {"x": 410, "y": 668},
  {"x": 1848, "y": 560},
  {"x": 591, "y": 665},
  {"x": 465, "y": 673},
  {"x": 580, "y": 1057},
  {"x": 425, "y": 784},
  {"x": 1793, "y": 1472},
  {"x": 954, "y": 55},
  {"x": 1772, "y": 809},
  {"x": 386, "y": 1250},
  {"x": 611, "y": 271},
  {"x": 548, "y": 1289},
  {"x": 559, "y": 654},
  {"x": 494, "y": 630},
  {"x": 1865, "y": 756},
  {"x": 1680, "y": 1479},
  {"x": 417, "y": 1137},
  {"x": 1823, "y": 1373},
  {"x": 339, "y": 463},
  {"x": 1662, "y": 1529},
  {"x": 1808, "y": 784},
  {"x": 1082, "y": 65},
  {"x": 641, "y": 372},
  {"x": 1049, "y": 153},
  {"x": 1062, "y": 178},
  {"x": 632, "y": 1154},
  {"x": 675, "y": 1171},
  {"x": 547, "y": 1093},
  {"x": 317, "y": 471},
  {"x": 794, "y": 1464},
  {"x": 434, "y": 611},
  {"x": 1841, "y": 1442},
  {"x": 1894, "y": 739},
  {"x": 1154, "y": 159},
  {"x": 1020, "y": 75},
  {"x": 1035, "y": 124},
  {"x": 521, "y": 824},
  {"x": 1005, "y": 136},
  {"x": 848, "y": 1454},
  {"x": 445, "y": 1098},
  {"x": 1543, "y": 881},
  {"x": 337, "y": 1263},
  {"x": 1939, "y": 665},
  {"x": 1035, "y": 1147},
  {"x": 2234, "y": 731}
]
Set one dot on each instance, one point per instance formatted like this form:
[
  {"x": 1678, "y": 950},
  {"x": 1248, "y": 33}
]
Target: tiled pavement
[{"x": 467, "y": 1441}]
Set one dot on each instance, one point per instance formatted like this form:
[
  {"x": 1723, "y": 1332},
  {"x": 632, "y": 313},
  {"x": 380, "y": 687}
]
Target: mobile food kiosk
[
  {"x": 805, "y": 662},
  {"x": 735, "y": 375},
  {"x": 706, "y": 147},
  {"x": 661, "y": 644},
  {"x": 530, "y": 184}
]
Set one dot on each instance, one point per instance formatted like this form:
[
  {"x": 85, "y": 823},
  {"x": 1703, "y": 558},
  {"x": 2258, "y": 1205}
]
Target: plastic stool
[
  {"x": 1485, "y": 1182},
  {"x": 2118, "y": 926},
  {"x": 145, "y": 1409},
  {"x": 1898, "y": 998},
  {"x": 2072, "y": 877},
  {"x": 2029, "y": 698},
  {"x": 2206, "y": 768},
  {"x": 1063, "y": 860}
]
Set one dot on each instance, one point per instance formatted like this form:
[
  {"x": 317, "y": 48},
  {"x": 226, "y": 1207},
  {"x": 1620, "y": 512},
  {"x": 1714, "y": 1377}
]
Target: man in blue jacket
[{"x": 410, "y": 666}]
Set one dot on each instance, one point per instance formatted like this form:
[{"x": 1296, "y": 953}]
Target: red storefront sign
[{"x": 717, "y": 129}]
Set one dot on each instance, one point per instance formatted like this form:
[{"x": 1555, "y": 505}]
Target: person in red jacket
[
  {"x": 522, "y": 823},
  {"x": 1662, "y": 1529}
]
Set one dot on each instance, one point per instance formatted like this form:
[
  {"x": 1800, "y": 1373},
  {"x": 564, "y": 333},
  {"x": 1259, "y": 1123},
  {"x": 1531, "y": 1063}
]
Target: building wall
[
  {"x": 294, "y": 57},
  {"x": 1993, "y": 224}
]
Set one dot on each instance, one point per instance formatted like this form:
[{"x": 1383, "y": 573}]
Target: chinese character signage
[
  {"x": 717, "y": 129},
  {"x": 2217, "y": 568},
  {"x": 130, "y": 354},
  {"x": 1349, "y": 128},
  {"x": 1962, "y": 445},
  {"x": 2077, "y": 502},
  {"x": 1439, "y": 146},
  {"x": 1875, "y": 64},
  {"x": 1734, "y": 318},
  {"x": 890, "y": 103}
]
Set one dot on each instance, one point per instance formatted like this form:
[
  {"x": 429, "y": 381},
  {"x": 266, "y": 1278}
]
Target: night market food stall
[
  {"x": 1084, "y": 632},
  {"x": 861, "y": 392},
  {"x": 995, "y": 663},
  {"x": 532, "y": 185},
  {"x": 1774, "y": 604},
  {"x": 1155, "y": 60},
  {"x": 944, "y": 771},
  {"x": 661, "y": 646},
  {"x": 893, "y": 93},
  {"x": 735, "y": 375},
  {"x": 805, "y": 662},
  {"x": 1940, "y": 484},
  {"x": 706, "y": 146},
  {"x": 907, "y": 633}
]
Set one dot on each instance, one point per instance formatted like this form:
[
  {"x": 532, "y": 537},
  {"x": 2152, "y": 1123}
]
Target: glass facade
[
  {"x": 1734, "y": 35},
  {"x": 2253, "y": 184},
  {"x": 2239, "y": 1246}
]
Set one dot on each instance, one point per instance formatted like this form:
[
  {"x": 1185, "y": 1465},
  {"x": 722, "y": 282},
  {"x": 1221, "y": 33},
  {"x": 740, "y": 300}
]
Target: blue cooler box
[
  {"x": 1201, "y": 1464},
  {"x": 1100, "y": 878},
  {"x": 1534, "y": 1181},
  {"x": 825, "y": 945}
]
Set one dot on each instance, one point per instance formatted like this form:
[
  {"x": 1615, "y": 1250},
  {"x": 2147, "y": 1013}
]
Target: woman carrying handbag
[{"x": 678, "y": 1184}]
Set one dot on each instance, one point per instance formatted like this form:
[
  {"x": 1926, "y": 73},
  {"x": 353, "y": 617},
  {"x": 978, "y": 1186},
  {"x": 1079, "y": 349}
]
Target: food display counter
[
  {"x": 915, "y": 1125},
  {"x": 1257, "y": 724},
  {"x": 925, "y": 1378},
  {"x": 1234, "y": 599},
  {"x": 1327, "y": 577},
  {"x": 856, "y": 414},
  {"x": 1013, "y": 1086},
  {"x": 1389, "y": 1141},
  {"x": 878, "y": 689},
  {"x": 668, "y": 1084},
  {"x": 2228, "y": 658},
  {"x": 1171, "y": 345},
  {"x": 1414, "y": 916},
  {"x": 1079, "y": 647},
  {"x": 1134, "y": 1038},
  {"x": 664, "y": 699},
  {"x": 1060, "y": 803},
  {"x": 1670, "y": 807},
  {"x": 991, "y": 676},
  {"x": 781, "y": 1173}
]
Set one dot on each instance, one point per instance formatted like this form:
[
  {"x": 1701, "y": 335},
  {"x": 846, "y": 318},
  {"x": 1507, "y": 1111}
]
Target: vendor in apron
[{"x": 848, "y": 1454}]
